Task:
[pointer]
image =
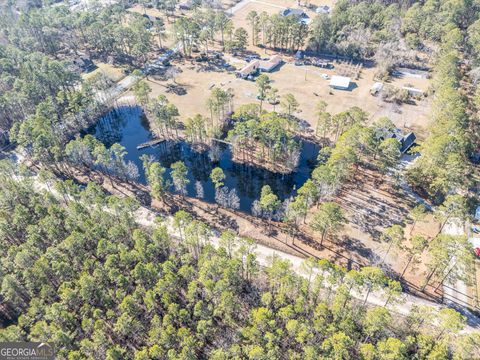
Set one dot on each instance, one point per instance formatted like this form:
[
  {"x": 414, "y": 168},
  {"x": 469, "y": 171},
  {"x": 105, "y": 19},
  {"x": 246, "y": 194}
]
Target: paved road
[{"x": 264, "y": 254}]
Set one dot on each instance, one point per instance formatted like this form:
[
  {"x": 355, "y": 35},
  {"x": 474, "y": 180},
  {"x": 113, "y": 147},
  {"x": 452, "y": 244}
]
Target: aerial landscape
[{"x": 239, "y": 179}]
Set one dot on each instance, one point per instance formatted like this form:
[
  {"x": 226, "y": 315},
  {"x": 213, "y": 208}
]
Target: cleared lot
[{"x": 305, "y": 82}]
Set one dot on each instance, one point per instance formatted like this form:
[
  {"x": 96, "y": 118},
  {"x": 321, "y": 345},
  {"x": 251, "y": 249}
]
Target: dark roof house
[
  {"x": 407, "y": 142},
  {"x": 84, "y": 63},
  {"x": 303, "y": 17}
]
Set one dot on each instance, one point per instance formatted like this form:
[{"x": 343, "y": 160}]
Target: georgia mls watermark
[{"x": 26, "y": 351}]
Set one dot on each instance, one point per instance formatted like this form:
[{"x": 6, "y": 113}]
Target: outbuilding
[
  {"x": 340, "y": 82},
  {"x": 413, "y": 91}
]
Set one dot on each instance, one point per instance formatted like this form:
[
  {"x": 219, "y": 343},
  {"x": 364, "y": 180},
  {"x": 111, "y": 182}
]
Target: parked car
[
  {"x": 325, "y": 76},
  {"x": 476, "y": 229},
  {"x": 298, "y": 63},
  {"x": 307, "y": 62}
]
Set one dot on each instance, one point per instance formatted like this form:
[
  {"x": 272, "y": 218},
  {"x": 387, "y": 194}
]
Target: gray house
[{"x": 302, "y": 16}]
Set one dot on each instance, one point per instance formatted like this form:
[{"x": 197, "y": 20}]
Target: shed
[
  {"x": 340, "y": 82},
  {"x": 413, "y": 91}
]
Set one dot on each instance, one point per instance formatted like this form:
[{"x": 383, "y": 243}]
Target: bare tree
[{"x": 199, "y": 190}]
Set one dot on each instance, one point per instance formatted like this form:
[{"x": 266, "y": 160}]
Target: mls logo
[{"x": 27, "y": 351}]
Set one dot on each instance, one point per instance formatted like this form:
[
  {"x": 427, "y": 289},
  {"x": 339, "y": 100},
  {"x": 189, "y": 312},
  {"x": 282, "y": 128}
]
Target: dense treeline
[
  {"x": 81, "y": 273},
  {"x": 58, "y": 31},
  {"x": 36, "y": 64},
  {"x": 389, "y": 28},
  {"x": 444, "y": 166},
  {"x": 28, "y": 79}
]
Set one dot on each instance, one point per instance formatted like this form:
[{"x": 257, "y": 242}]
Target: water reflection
[{"x": 127, "y": 127}]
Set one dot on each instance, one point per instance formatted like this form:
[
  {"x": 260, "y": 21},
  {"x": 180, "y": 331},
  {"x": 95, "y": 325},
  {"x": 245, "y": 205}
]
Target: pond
[{"x": 128, "y": 127}]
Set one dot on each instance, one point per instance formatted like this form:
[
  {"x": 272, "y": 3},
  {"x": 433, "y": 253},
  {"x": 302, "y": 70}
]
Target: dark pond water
[{"x": 129, "y": 128}]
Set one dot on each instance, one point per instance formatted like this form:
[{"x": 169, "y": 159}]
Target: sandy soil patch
[{"x": 114, "y": 73}]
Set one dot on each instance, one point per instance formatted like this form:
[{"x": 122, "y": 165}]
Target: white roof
[
  {"x": 340, "y": 81},
  {"x": 377, "y": 86},
  {"x": 412, "y": 89}
]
